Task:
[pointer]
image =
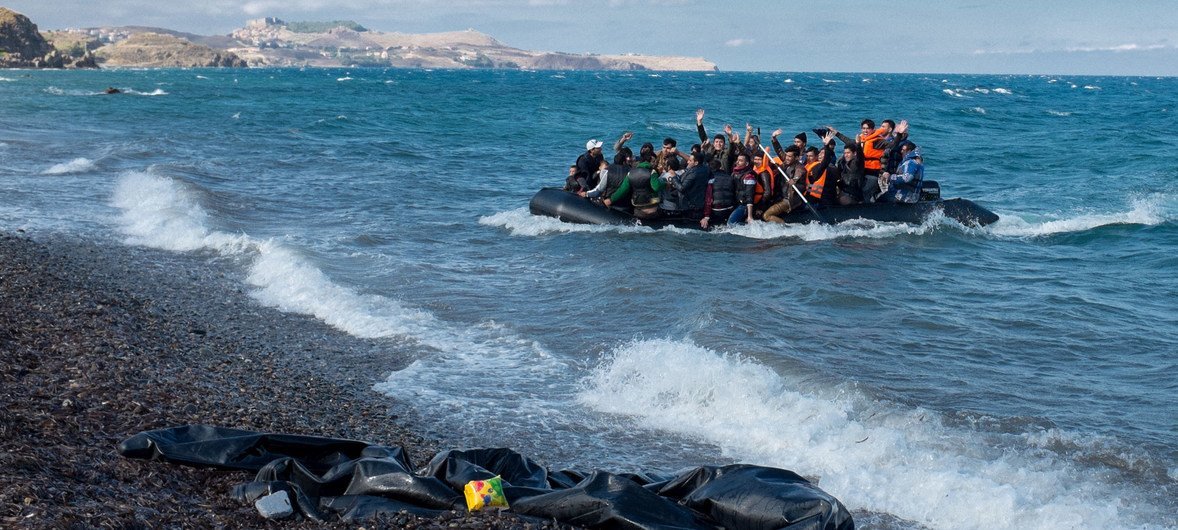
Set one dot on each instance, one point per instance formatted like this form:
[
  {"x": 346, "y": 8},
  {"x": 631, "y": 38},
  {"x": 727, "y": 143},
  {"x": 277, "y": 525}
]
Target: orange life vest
[
  {"x": 760, "y": 191},
  {"x": 872, "y": 154},
  {"x": 815, "y": 186}
]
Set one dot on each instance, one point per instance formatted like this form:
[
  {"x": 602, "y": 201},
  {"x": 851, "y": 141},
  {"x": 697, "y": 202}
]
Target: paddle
[{"x": 817, "y": 215}]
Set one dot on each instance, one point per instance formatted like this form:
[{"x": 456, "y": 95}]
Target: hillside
[
  {"x": 22, "y": 46},
  {"x": 156, "y": 50},
  {"x": 273, "y": 42}
]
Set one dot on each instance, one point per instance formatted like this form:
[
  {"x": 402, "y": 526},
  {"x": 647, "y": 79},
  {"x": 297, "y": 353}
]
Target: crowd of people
[{"x": 730, "y": 179}]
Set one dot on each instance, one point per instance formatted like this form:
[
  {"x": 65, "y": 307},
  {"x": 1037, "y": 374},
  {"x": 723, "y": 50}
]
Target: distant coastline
[{"x": 271, "y": 42}]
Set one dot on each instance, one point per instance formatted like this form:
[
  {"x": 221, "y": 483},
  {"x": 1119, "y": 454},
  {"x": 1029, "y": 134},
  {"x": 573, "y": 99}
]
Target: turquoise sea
[{"x": 937, "y": 376}]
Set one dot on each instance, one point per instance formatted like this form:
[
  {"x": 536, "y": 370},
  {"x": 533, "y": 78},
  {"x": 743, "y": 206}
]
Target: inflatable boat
[{"x": 572, "y": 208}]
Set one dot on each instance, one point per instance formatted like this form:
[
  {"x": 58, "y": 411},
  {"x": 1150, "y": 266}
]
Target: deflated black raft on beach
[
  {"x": 330, "y": 479},
  {"x": 572, "y": 208}
]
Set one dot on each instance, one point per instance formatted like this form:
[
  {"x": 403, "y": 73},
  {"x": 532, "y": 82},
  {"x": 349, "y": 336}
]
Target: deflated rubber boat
[{"x": 572, "y": 208}]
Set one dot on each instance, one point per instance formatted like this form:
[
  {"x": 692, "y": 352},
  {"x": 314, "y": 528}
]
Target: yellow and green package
[{"x": 485, "y": 494}]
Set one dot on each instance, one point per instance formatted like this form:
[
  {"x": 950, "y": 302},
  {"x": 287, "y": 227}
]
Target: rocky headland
[
  {"x": 22, "y": 46},
  {"x": 274, "y": 42}
]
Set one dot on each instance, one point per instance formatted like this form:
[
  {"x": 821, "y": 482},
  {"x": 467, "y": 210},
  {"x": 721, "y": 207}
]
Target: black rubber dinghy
[{"x": 572, "y": 208}]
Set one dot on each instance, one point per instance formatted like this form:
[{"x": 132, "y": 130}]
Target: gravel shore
[{"x": 101, "y": 342}]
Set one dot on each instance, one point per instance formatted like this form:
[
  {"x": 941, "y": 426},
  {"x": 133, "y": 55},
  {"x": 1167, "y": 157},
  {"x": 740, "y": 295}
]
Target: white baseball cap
[{"x": 592, "y": 144}]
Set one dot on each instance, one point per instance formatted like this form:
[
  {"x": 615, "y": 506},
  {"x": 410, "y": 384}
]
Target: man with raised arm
[{"x": 720, "y": 147}]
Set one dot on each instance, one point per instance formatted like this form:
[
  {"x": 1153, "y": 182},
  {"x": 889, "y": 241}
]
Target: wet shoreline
[{"x": 100, "y": 342}]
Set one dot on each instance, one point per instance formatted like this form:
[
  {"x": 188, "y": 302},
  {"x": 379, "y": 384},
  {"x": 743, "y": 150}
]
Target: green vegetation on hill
[{"x": 323, "y": 27}]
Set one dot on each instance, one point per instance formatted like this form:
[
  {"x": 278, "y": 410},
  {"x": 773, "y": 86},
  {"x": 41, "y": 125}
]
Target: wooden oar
[{"x": 817, "y": 215}]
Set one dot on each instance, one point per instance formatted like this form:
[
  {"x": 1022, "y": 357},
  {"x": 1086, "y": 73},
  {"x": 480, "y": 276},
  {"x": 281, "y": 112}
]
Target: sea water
[{"x": 1019, "y": 375}]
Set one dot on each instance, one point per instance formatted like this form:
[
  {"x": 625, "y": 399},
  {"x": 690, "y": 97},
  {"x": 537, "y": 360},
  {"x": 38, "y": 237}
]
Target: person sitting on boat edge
[
  {"x": 570, "y": 182},
  {"x": 669, "y": 171},
  {"x": 790, "y": 200},
  {"x": 820, "y": 178},
  {"x": 895, "y": 142},
  {"x": 690, "y": 187},
  {"x": 641, "y": 186},
  {"x": 850, "y": 170},
  {"x": 719, "y": 196},
  {"x": 587, "y": 165},
  {"x": 745, "y": 180},
  {"x": 905, "y": 184},
  {"x": 615, "y": 173},
  {"x": 768, "y": 190}
]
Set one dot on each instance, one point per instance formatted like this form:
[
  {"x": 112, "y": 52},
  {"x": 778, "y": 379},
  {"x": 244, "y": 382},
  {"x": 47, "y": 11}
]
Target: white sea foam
[
  {"x": 1148, "y": 210},
  {"x": 873, "y": 456},
  {"x": 520, "y": 222},
  {"x": 853, "y": 229},
  {"x": 201, "y": 77},
  {"x": 342, "y": 79},
  {"x": 1059, "y": 113},
  {"x": 156, "y": 92},
  {"x": 1003, "y": 91},
  {"x": 978, "y": 110},
  {"x": 6, "y": 79},
  {"x": 77, "y": 165},
  {"x": 160, "y": 212},
  {"x": 676, "y": 126},
  {"x": 1091, "y": 87},
  {"x": 788, "y": 80},
  {"x": 952, "y": 92}
]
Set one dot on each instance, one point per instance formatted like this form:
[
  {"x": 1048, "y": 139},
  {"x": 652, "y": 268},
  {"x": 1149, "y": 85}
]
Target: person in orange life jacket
[
  {"x": 768, "y": 189},
  {"x": 746, "y": 188},
  {"x": 719, "y": 196},
  {"x": 790, "y": 200},
  {"x": 820, "y": 178},
  {"x": 641, "y": 186},
  {"x": 870, "y": 144},
  {"x": 905, "y": 184},
  {"x": 719, "y": 147},
  {"x": 587, "y": 165}
]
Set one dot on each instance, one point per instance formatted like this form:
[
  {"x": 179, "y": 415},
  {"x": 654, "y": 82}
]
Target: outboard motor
[{"x": 930, "y": 190}]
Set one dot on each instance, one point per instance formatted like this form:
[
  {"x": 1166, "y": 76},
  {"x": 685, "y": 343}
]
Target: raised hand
[
  {"x": 777, "y": 133},
  {"x": 699, "y": 115}
]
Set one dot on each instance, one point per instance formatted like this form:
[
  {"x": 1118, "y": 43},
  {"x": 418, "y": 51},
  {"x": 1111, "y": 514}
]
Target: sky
[{"x": 1078, "y": 37}]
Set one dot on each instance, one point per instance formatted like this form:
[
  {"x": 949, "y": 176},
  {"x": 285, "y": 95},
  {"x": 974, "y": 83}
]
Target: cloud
[{"x": 736, "y": 43}]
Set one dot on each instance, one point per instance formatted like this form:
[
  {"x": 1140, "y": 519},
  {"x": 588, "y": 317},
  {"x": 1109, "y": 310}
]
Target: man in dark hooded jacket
[{"x": 693, "y": 187}]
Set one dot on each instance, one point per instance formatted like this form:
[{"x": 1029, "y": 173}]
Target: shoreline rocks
[{"x": 98, "y": 343}]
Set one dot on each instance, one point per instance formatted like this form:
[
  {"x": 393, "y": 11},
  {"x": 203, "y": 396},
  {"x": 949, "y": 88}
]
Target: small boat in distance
[{"x": 572, "y": 208}]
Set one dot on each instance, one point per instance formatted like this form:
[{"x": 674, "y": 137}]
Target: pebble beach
[{"x": 97, "y": 346}]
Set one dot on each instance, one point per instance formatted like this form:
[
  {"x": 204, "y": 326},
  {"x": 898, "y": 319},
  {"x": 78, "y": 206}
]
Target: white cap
[{"x": 592, "y": 144}]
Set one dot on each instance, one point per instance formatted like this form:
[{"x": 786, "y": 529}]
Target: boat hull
[{"x": 572, "y": 208}]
